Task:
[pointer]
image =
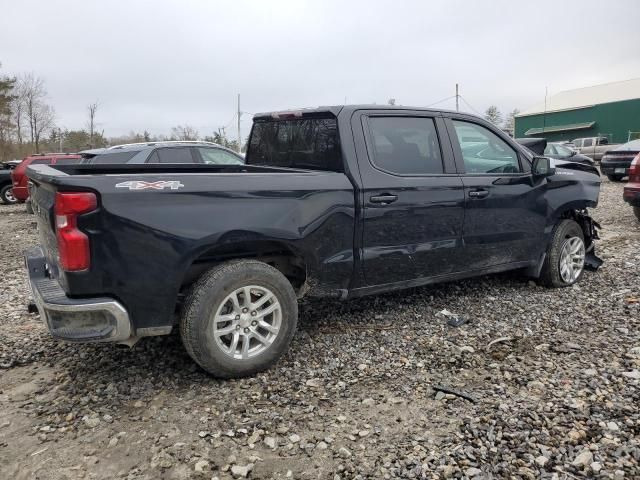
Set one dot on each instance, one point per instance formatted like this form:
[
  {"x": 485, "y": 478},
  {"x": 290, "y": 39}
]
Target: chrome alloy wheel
[
  {"x": 247, "y": 322},
  {"x": 10, "y": 197},
  {"x": 571, "y": 259}
]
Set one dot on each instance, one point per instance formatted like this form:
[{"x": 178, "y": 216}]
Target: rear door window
[
  {"x": 175, "y": 155},
  {"x": 405, "y": 145},
  {"x": 306, "y": 143},
  {"x": 41, "y": 161}
]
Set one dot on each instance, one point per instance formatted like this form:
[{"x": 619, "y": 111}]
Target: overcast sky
[{"x": 151, "y": 65}]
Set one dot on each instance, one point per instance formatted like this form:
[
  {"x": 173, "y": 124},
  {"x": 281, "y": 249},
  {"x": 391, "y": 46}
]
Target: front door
[
  {"x": 413, "y": 199},
  {"x": 505, "y": 210}
]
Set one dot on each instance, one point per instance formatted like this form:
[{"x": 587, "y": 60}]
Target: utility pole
[
  {"x": 239, "y": 136},
  {"x": 457, "y": 104},
  {"x": 544, "y": 116},
  {"x": 60, "y": 139}
]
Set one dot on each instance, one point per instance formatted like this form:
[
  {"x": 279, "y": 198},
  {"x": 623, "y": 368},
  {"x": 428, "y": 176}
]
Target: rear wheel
[
  {"x": 615, "y": 178},
  {"x": 7, "y": 196},
  {"x": 564, "y": 263},
  {"x": 239, "y": 318},
  {"x": 636, "y": 212}
]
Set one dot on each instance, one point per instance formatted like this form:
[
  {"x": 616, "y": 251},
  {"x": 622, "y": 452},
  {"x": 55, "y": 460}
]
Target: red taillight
[
  {"x": 73, "y": 245},
  {"x": 634, "y": 169}
]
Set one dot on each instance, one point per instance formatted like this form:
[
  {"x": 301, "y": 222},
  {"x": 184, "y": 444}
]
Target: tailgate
[{"x": 42, "y": 202}]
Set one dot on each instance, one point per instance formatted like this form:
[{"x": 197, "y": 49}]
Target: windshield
[
  {"x": 562, "y": 150},
  {"x": 307, "y": 143}
]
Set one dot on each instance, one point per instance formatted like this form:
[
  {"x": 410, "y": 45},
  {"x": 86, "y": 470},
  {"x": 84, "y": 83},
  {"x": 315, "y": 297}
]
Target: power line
[
  {"x": 440, "y": 101},
  {"x": 469, "y": 105}
]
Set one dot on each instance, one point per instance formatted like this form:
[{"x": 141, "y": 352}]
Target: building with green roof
[{"x": 611, "y": 110}]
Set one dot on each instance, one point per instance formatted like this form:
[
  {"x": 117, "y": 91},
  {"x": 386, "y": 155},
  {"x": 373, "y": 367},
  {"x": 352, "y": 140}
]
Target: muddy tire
[
  {"x": 564, "y": 263},
  {"x": 239, "y": 318},
  {"x": 6, "y": 195}
]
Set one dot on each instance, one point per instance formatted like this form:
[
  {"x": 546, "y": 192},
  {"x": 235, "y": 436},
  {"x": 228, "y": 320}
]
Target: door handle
[
  {"x": 385, "y": 198},
  {"x": 478, "y": 193}
]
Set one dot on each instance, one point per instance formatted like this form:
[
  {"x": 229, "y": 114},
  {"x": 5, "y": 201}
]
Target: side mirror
[{"x": 543, "y": 167}]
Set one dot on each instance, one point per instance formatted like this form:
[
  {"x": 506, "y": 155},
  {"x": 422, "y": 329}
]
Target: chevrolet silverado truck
[{"x": 332, "y": 202}]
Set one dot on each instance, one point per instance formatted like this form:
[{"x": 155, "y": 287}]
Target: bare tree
[
  {"x": 493, "y": 115},
  {"x": 184, "y": 132},
  {"x": 18, "y": 109},
  {"x": 40, "y": 116},
  {"x": 510, "y": 122},
  {"x": 93, "y": 108},
  {"x": 43, "y": 120}
]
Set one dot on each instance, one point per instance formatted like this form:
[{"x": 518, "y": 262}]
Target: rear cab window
[{"x": 310, "y": 143}]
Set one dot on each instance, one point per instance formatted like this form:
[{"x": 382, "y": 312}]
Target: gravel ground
[{"x": 354, "y": 397}]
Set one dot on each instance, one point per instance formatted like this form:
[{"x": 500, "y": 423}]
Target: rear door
[
  {"x": 505, "y": 209},
  {"x": 413, "y": 198}
]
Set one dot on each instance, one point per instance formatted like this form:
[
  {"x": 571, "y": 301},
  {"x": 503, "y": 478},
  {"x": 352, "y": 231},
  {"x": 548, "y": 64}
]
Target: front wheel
[
  {"x": 615, "y": 178},
  {"x": 636, "y": 212},
  {"x": 7, "y": 196},
  {"x": 564, "y": 263},
  {"x": 239, "y": 318}
]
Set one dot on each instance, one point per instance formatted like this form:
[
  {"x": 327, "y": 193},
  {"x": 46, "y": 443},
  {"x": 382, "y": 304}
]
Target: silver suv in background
[{"x": 163, "y": 152}]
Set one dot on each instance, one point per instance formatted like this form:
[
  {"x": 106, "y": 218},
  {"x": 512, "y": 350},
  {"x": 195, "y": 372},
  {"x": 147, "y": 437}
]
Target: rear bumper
[
  {"x": 21, "y": 193},
  {"x": 631, "y": 194},
  {"x": 615, "y": 167},
  {"x": 77, "y": 320}
]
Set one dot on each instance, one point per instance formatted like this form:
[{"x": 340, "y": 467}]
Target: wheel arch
[{"x": 279, "y": 254}]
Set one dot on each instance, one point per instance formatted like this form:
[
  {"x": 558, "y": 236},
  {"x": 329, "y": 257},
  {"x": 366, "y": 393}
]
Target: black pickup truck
[{"x": 334, "y": 202}]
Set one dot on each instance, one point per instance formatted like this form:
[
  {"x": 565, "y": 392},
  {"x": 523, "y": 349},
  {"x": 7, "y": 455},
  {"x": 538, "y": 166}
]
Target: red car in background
[
  {"x": 631, "y": 193},
  {"x": 19, "y": 178}
]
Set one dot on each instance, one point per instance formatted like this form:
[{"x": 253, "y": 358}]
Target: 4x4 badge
[{"x": 161, "y": 185}]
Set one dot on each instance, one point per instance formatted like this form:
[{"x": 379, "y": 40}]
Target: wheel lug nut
[
  {"x": 245, "y": 310},
  {"x": 254, "y": 313},
  {"x": 254, "y": 323},
  {"x": 237, "y": 317},
  {"x": 237, "y": 327},
  {"x": 246, "y": 330}
]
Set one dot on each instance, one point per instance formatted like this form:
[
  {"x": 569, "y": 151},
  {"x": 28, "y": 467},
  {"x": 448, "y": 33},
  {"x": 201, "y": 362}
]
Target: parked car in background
[
  {"x": 631, "y": 193},
  {"x": 593, "y": 147},
  {"x": 616, "y": 162},
  {"x": 20, "y": 191},
  {"x": 560, "y": 151},
  {"x": 555, "y": 150},
  {"x": 6, "y": 186},
  {"x": 11, "y": 164},
  {"x": 336, "y": 202},
  {"x": 163, "y": 152}
]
